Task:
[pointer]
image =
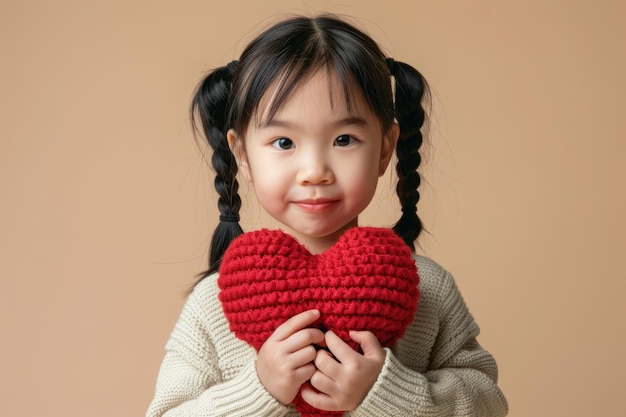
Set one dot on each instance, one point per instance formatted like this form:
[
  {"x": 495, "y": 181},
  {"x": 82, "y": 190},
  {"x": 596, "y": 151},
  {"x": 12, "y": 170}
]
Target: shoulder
[
  {"x": 433, "y": 277},
  {"x": 203, "y": 303},
  {"x": 200, "y": 313},
  {"x": 202, "y": 299},
  {"x": 439, "y": 291},
  {"x": 206, "y": 287},
  {"x": 427, "y": 265}
]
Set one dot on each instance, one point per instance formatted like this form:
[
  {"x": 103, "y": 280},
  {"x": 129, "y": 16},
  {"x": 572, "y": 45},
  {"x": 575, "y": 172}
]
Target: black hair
[{"x": 283, "y": 56}]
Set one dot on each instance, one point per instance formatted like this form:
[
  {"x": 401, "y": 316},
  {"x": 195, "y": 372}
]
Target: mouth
[{"x": 316, "y": 206}]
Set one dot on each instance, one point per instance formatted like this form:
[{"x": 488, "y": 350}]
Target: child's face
[{"x": 314, "y": 166}]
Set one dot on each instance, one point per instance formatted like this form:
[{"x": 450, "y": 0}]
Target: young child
[{"x": 310, "y": 115}]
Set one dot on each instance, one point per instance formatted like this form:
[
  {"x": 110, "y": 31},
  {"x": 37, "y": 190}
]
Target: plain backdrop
[{"x": 107, "y": 205}]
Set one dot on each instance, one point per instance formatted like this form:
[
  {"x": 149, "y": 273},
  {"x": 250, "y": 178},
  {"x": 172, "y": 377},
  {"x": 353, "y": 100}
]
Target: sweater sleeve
[
  {"x": 459, "y": 377},
  {"x": 190, "y": 382}
]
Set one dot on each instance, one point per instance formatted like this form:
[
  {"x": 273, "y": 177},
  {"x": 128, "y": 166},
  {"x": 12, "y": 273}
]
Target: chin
[{"x": 327, "y": 232}]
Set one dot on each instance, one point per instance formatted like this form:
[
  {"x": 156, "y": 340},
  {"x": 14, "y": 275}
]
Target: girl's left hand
[{"x": 341, "y": 384}]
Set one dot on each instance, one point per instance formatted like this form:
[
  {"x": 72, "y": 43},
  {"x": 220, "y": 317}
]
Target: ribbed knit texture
[
  {"x": 437, "y": 369},
  {"x": 366, "y": 281}
]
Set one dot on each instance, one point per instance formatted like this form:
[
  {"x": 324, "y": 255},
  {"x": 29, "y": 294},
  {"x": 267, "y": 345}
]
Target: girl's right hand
[{"x": 285, "y": 361}]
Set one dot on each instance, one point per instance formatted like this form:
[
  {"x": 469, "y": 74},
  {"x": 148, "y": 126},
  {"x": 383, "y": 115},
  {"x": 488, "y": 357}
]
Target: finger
[
  {"x": 295, "y": 323},
  {"x": 340, "y": 349},
  {"x": 318, "y": 399},
  {"x": 368, "y": 342},
  {"x": 327, "y": 364},
  {"x": 303, "y": 356},
  {"x": 304, "y": 337},
  {"x": 304, "y": 373},
  {"x": 322, "y": 382}
]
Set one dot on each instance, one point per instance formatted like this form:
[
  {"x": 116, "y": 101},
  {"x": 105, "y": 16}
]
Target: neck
[{"x": 319, "y": 244}]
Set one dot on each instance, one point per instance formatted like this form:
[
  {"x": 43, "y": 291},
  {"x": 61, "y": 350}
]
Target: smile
[{"x": 315, "y": 206}]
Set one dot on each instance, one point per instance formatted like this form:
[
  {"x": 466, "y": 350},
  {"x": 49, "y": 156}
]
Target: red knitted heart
[{"x": 366, "y": 281}]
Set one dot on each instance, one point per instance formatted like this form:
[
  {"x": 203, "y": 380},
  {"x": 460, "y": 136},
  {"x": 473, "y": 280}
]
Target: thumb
[{"x": 368, "y": 342}]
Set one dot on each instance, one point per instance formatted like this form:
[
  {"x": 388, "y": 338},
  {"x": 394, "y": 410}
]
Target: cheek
[
  {"x": 270, "y": 183},
  {"x": 360, "y": 182},
  {"x": 364, "y": 166}
]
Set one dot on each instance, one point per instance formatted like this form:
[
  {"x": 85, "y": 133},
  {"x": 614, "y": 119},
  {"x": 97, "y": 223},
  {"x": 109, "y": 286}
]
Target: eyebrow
[{"x": 346, "y": 121}]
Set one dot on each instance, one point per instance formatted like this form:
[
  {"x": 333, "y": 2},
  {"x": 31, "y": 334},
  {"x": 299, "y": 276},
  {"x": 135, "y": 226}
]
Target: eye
[
  {"x": 344, "y": 140},
  {"x": 283, "y": 144}
]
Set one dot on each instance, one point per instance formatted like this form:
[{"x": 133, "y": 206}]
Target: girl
[{"x": 309, "y": 116}]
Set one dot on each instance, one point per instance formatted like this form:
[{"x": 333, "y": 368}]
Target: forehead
[{"x": 321, "y": 90}]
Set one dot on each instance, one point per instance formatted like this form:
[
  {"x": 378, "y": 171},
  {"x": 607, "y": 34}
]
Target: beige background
[{"x": 106, "y": 205}]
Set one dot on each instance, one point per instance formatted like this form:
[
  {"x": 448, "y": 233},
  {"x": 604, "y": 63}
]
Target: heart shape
[{"x": 366, "y": 281}]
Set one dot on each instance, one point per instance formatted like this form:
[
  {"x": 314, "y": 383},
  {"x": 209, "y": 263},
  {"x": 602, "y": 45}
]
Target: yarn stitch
[{"x": 366, "y": 281}]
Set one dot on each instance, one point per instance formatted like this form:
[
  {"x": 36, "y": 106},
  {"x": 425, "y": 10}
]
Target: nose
[{"x": 314, "y": 169}]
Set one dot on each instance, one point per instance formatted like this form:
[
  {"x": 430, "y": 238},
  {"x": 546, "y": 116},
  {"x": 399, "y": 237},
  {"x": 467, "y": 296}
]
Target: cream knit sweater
[{"x": 437, "y": 369}]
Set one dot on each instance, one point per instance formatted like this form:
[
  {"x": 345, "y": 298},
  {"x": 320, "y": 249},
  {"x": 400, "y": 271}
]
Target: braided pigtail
[
  {"x": 211, "y": 103},
  {"x": 410, "y": 88}
]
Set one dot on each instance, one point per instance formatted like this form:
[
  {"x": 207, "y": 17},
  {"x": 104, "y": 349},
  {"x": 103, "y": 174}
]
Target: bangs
[
  {"x": 291, "y": 53},
  {"x": 288, "y": 82}
]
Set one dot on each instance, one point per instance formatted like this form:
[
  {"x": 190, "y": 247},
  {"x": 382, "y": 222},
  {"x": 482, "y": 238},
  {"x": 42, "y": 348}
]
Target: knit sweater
[{"x": 436, "y": 369}]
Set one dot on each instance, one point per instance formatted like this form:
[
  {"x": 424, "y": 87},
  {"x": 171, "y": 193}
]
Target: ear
[
  {"x": 236, "y": 145},
  {"x": 390, "y": 139}
]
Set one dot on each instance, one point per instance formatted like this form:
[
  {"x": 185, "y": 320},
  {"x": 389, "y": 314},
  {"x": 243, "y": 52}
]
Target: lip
[{"x": 315, "y": 206}]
